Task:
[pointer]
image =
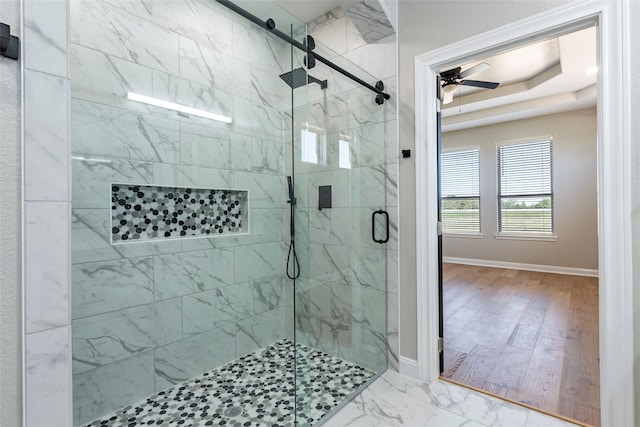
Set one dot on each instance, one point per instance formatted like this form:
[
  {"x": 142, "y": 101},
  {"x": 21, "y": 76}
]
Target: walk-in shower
[{"x": 185, "y": 309}]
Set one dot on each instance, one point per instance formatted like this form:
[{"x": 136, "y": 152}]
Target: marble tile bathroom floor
[
  {"x": 255, "y": 390},
  {"x": 396, "y": 400}
]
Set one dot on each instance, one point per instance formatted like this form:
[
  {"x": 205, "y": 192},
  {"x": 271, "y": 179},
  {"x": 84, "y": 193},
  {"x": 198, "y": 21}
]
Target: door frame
[{"x": 614, "y": 187}]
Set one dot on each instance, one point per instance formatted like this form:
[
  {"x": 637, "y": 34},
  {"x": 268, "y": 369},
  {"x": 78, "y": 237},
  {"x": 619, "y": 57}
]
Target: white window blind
[
  {"x": 460, "y": 189},
  {"x": 525, "y": 187}
]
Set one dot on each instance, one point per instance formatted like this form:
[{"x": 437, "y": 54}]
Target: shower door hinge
[
  {"x": 440, "y": 345},
  {"x": 439, "y": 228}
]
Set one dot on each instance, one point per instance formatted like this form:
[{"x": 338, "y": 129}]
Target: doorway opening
[
  {"x": 613, "y": 181},
  {"x": 520, "y": 226}
]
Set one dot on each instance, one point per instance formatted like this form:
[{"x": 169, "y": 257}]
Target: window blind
[
  {"x": 525, "y": 195},
  {"x": 460, "y": 189}
]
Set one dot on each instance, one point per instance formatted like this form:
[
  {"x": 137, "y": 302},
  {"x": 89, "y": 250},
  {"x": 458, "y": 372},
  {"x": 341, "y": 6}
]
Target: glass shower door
[{"x": 341, "y": 233}]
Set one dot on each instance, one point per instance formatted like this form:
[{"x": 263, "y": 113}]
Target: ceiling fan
[{"x": 453, "y": 78}]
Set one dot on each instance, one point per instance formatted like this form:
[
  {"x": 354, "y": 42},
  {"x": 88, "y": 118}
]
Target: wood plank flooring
[{"x": 528, "y": 336}]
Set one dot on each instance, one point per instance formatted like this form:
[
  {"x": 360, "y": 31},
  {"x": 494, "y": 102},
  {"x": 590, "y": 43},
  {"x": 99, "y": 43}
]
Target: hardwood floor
[{"x": 528, "y": 336}]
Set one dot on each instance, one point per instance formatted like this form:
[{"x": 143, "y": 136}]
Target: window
[
  {"x": 313, "y": 147},
  {"x": 461, "y": 191},
  {"x": 525, "y": 196},
  {"x": 344, "y": 154},
  {"x": 309, "y": 146}
]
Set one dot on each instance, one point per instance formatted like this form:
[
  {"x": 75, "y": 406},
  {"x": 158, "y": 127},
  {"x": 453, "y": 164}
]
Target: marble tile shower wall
[
  {"x": 348, "y": 281},
  {"x": 149, "y": 315}
]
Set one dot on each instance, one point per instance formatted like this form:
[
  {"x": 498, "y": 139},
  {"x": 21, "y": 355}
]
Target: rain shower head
[{"x": 299, "y": 77}]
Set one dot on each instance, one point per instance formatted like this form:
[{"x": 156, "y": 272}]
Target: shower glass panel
[
  {"x": 181, "y": 223},
  {"x": 340, "y": 296}
]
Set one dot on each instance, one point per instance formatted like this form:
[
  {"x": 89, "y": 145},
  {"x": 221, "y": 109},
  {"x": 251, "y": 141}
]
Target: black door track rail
[{"x": 307, "y": 47}]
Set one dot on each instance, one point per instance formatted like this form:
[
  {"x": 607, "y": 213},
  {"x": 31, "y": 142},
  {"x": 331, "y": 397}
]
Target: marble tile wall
[
  {"x": 346, "y": 299},
  {"x": 105, "y": 125},
  {"x": 151, "y": 314},
  {"x": 46, "y": 215}
]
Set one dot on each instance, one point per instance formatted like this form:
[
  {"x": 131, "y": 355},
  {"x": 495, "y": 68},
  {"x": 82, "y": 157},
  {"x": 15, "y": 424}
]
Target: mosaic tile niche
[{"x": 142, "y": 213}]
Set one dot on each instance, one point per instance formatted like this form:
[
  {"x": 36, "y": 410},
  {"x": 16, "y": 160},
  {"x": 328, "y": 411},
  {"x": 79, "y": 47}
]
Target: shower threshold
[{"x": 255, "y": 390}]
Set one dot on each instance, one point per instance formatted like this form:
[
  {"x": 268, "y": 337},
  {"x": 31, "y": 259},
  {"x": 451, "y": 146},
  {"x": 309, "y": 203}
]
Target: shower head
[{"x": 299, "y": 77}]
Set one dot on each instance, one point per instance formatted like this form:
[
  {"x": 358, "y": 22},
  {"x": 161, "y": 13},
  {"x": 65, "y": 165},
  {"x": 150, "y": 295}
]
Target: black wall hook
[{"x": 9, "y": 45}]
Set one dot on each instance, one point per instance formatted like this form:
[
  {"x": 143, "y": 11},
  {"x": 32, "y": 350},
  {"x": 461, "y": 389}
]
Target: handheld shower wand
[{"x": 294, "y": 271}]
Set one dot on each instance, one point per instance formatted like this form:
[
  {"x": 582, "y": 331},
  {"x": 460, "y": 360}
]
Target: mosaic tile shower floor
[{"x": 254, "y": 390}]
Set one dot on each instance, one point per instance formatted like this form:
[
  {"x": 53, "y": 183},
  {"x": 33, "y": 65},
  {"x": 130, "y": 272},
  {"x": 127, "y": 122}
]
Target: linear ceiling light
[{"x": 177, "y": 107}]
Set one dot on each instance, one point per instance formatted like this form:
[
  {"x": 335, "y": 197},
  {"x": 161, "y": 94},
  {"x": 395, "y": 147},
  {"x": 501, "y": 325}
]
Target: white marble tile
[
  {"x": 103, "y": 131},
  {"x": 441, "y": 418},
  {"x": 168, "y": 175},
  {"x": 368, "y": 186},
  {"x": 267, "y": 225},
  {"x": 370, "y": 20},
  {"x": 267, "y": 157},
  {"x": 268, "y": 88},
  {"x": 105, "y": 389},
  {"x": 367, "y": 267},
  {"x": 208, "y": 66},
  {"x": 269, "y": 293},
  {"x": 111, "y": 30},
  {"x": 265, "y": 191},
  {"x": 99, "y": 287},
  {"x": 320, "y": 226},
  {"x": 393, "y": 332},
  {"x": 46, "y": 142},
  {"x": 329, "y": 114},
  {"x": 141, "y": 8},
  {"x": 47, "y": 265},
  {"x": 379, "y": 406},
  {"x": 91, "y": 239},
  {"x": 475, "y": 406},
  {"x": 392, "y": 150},
  {"x": 206, "y": 311},
  {"x": 106, "y": 338},
  {"x": 205, "y": 147},
  {"x": 48, "y": 378},
  {"x": 266, "y": 51},
  {"x": 194, "y": 271},
  {"x": 185, "y": 92},
  {"x": 254, "y": 119},
  {"x": 378, "y": 59},
  {"x": 259, "y": 331},
  {"x": 46, "y": 36},
  {"x": 331, "y": 30},
  {"x": 354, "y": 37},
  {"x": 106, "y": 79},
  {"x": 258, "y": 261},
  {"x": 198, "y": 20},
  {"x": 92, "y": 178},
  {"x": 329, "y": 262},
  {"x": 188, "y": 358}
]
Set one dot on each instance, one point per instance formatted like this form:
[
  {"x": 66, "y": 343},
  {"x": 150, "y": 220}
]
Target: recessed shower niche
[{"x": 142, "y": 213}]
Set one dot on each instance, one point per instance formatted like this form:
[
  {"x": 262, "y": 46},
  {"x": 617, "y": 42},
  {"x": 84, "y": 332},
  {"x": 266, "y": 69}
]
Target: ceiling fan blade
[
  {"x": 475, "y": 69},
  {"x": 478, "y": 83}
]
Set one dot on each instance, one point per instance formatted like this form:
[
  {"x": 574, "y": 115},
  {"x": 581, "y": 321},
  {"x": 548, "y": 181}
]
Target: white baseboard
[
  {"x": 521, "y": 266},
  {"x": 408, "y": 367}
]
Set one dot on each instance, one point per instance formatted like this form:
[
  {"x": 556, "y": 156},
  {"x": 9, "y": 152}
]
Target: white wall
[
  {"x": 574, "y": 187},
  {"x": 422, "y": 27},
  {"x": 10, "y": 224},
  {"x": 635, "y": 182}
]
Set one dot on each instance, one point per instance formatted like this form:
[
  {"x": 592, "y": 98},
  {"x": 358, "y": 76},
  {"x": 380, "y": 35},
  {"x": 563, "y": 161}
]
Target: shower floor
[{"x": 254, "y": 390}]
